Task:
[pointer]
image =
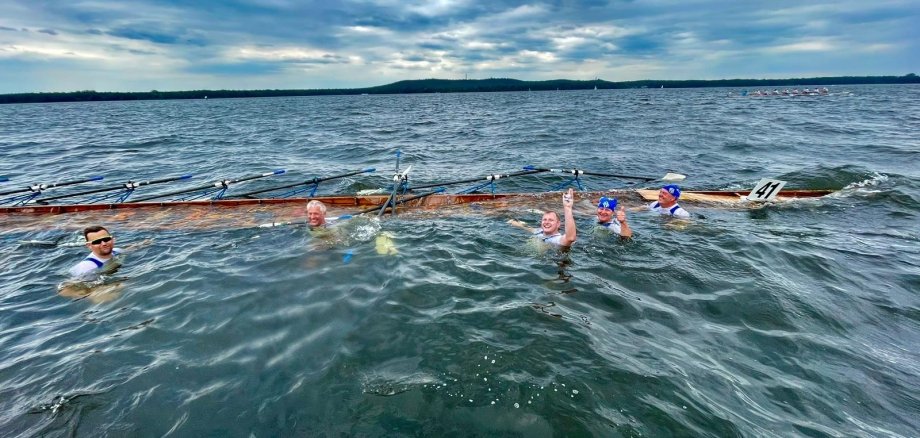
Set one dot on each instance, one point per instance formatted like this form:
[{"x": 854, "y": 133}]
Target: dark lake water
[{"x": 799, "y": 319}]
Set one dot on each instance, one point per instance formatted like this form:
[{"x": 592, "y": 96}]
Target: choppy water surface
[{"x": 793, "y": 320}]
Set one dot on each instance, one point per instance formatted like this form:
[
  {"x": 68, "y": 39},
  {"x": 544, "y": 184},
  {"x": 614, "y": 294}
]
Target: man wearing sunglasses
[{"x": 102, "y": 247}]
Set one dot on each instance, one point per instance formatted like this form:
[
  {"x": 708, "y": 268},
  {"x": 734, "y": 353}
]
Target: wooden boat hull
[
  {"x": 723, "y": 196},
  {"x": 432, "y": 201}
]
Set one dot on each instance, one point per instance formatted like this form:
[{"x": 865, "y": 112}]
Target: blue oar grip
[
  {"x": 529, "y": 167},
  {"x": 96, "y": 178},
  {"x": 398, "y": 153},
  {"x": 279, "y": 171},
  {"x": 439, "y": 190},
  {"x": 4, "y": 179},
  {"x": 370, "y": 169},
  {"x": 345, "y": 216},
  {"x": 185, "y": 176}
]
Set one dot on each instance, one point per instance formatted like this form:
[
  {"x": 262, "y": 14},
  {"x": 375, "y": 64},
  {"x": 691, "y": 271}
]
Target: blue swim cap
[
  {"x": 608, "y": 203},
  {"x": 673, "y": 189}
]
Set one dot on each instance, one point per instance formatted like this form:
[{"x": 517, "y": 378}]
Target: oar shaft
[
  {"x": 215, "y": 185},
  {"x": 41, "y": 187},
  {"x": 383, "y": 208},
  {"x": 615, "y": 175},
  {"x": 401, "y": 201},
  {"x": 577, "y": 172},
  {"x": 126, "y": 186},
  {"x": 480, "y": 179},
  {"x": 310, "y": 181}
]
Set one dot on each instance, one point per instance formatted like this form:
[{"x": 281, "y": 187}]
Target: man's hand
[
  {"x": 621, "y": 214},
  {"x": 517, "y": 223},
  {"x": 568, "y": 198}
]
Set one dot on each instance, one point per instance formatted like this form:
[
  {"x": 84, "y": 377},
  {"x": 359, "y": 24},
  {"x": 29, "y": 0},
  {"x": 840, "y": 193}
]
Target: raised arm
[
  {"x": 625, "y": 231},
  {"x": 568, "y": 201}
]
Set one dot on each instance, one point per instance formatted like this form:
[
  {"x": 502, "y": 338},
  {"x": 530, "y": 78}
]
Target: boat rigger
[{"x": 33, "y": 200}]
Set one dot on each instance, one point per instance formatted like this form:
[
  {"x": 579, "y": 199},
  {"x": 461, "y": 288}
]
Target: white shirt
[
  {"x": 675, "y": 210},
  {"x": 90, "y": 264},
  {"x": 612, "y": 226},
  {"x": 553, "y": 239}
]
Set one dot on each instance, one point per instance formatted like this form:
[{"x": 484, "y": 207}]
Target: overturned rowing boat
[
  {"x": 32, "y": 200},
  {"x": 432, "y": 200}
]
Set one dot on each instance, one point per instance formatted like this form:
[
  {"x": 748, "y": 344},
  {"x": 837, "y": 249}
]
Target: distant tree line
[{"x": 455, "y": 86}]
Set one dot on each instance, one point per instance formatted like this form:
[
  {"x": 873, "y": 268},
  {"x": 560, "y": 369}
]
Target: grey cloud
[
  {"x": 669, "y": 32},
  {"x": 158, "y": 36}
]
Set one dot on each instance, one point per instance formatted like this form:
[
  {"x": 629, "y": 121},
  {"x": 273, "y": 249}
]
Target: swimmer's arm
[
  {"x": 568, "y": 201},
  {"x": 518, "y": 224},
  {"x": 137, "y": 245},
  {"x": 625, "y": 231},
  {"x": 638, "y": 209}
]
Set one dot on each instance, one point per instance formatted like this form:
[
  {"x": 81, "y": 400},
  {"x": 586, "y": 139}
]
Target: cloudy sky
[{"x": 142, "y": 45}]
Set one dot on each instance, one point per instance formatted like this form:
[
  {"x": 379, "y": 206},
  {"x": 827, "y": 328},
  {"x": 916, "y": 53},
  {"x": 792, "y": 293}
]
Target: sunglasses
[{"x": 101, "y": 240}]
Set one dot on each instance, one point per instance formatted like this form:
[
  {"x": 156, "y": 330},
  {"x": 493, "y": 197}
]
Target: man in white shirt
[
  {"x": 102, "y": 249},
  {"x": 667, "y": 202},
  {"x": 550, "y": 224}
]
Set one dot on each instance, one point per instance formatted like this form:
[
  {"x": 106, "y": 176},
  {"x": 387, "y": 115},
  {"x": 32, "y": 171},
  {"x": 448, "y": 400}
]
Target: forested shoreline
[{"x": 455, "y": 86}]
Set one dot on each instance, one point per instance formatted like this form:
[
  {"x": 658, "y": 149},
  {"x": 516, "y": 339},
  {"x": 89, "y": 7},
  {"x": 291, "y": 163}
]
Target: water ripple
[{"x": 790, "y": 319}]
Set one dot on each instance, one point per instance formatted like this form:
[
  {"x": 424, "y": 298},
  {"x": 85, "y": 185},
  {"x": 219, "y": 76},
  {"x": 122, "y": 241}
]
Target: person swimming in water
[
  {"x": 606, "y": 209},
  {"x": 102, "y": 251},
  {"x": 548, "y": 232},
  {"x": 86, "y": 277},
  {"x": 667, "y": 202}
]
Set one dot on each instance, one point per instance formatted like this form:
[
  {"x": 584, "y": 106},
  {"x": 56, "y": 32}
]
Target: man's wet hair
[
  {"x": 315, "y": 203},
  {"x": 93, "y": 229}
]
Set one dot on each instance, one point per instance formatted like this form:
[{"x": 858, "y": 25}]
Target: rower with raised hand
[
  {"x": 550, "y": 224},
  {"x": 606, "y": 221},
  {"x": 666, "y": 204}
]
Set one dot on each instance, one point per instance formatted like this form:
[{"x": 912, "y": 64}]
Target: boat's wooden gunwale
[{"x": 375, "y": 200}]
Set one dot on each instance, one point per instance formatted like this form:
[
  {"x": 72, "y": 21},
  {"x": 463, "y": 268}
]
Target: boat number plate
[{"x": 766, "y": 190}]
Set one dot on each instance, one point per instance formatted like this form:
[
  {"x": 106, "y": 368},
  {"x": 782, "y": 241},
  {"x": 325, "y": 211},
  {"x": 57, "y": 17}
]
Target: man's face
[
  {"x": 604, "y": 215},
  {"x": 550, "y": 223},
  {"x": 100, "y": 243},
  {"x": 665, "y": 198},
  {"x": 315, "y": 216}
]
